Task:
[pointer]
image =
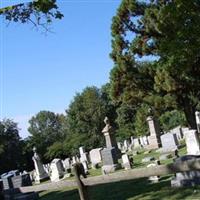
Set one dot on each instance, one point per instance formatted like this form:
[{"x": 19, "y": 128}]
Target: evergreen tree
[{"x": 169, "y": 31}]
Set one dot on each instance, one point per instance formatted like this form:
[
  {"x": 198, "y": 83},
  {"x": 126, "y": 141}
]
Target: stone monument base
[
  {"x": 106, "y": 169},
  {"x": 154, "y": 143},
  {"x": 110, "y": 160},
  {"x": 39, "y": 179}
]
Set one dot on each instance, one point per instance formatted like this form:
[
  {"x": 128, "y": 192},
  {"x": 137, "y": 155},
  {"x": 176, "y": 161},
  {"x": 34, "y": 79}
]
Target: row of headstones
[
  {"x": 58, "y": 168},
  {"x": 174, "y": 135}
]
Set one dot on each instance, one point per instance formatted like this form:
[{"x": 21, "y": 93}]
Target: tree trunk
[{"x": 189, "y": 111}]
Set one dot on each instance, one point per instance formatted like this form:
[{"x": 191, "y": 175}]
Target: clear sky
[{"x": 44, "y": 72}]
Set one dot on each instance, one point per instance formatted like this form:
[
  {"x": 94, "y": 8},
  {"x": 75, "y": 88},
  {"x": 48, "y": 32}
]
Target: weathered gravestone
[
  {"x": 192, "y": 142},
  {"x": 154, "y": 129},
  {"x": 95, "y": 157},
  {"x": 197, "y": 116},
  {"x": 178, "y": 131},
  {"x": 126, "y": 163},
  {"x": 110, "y": 153},
  {"x": 169, "y": 142},
  {"x": 40, "y": 173},
  {"x": 57, "y": 170},
  {"x": 136, "y": 143},
  {"x": 83, "y": 155},
  {"x": 67, "y": 164}
]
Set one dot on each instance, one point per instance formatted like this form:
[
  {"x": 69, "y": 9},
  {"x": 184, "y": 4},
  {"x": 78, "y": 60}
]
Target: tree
[
  {"x": 38, "y": 12},
  {"x": 10, "y": 154},
  {"x": 125, "y": 121},
  {"x": 45, "y": 129},
  {"x": 85, "y": 117},
  {"x": 169, "y": 31},
  {"x": 171, "y": 119}
]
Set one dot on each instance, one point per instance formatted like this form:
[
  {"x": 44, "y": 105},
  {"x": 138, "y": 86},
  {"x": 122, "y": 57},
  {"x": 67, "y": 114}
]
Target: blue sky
[{"x": 44, "y": 72}]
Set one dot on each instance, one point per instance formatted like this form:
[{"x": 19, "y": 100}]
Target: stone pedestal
[{"x": 154, "y": 138}]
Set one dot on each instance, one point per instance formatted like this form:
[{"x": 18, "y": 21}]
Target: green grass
[{"x": 129, "y": 190}]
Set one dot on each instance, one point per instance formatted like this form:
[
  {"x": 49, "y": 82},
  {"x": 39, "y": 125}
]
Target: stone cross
[{"x": 108, "y": 133}]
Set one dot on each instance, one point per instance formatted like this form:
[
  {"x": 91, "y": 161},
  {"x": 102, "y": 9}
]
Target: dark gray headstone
[
  {"x": 21, "y": 180},
  {"x": 109, "y": 156}
]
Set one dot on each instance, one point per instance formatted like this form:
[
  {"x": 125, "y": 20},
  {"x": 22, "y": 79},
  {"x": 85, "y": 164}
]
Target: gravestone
[
  {"x": 119, "y": 145},
  {"x": 40, "y": 173},
  {"x": 145, "y": 140},
  {"x": 154, "y": 129},
  {"x": 126, "y": 163},
  {"x": 178, "y": 131},
  {"x": 67, "y": 165},
  {"x": 83, "y": 155},
  {"x": 21, "y": 181},
  {"x": 197, "y": 116},
  {"x": 110, "y": 153},
  {"x": 192, "y": 142},
  {"x": 57, "y": 170},
  {"x": 136, "y": 143},
  {"x": 85, "y": 166},
  {"x": 95, "y": 157},
  {"x": 126, "y": 145},
  {"x": 169, "y": 142},
  {"x": 81, "y": 150},
  {"x": 184, "y": 130}
]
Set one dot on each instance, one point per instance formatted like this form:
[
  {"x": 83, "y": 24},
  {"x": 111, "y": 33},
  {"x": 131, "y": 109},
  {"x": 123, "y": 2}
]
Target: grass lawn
[{"x": 129, "y": 190}]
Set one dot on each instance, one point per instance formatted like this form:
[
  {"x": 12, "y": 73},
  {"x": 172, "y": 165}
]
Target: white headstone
[
  {"x": 57, "y": 170},
  {"x": 85, "y": 166},
  {"x": 81, "y": 150},
  {"x": 192, "y": 142},
  {"x": 67, "y": 163},
  {"x": 136, "y": 143},
  {"x": 197, "y": 116},
  {"x": 178, "y": 131},
  {"x": 84, "y": 157},
  {"x": 126, "y": 162},
  {"x": 95, "y": 156},
  {"x": 169, "y": 142}
]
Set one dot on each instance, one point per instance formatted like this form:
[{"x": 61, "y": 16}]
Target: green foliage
[
  {"x": 39, "y": 13},
  {"x": 125, "y": 120},
  {"x": 10, "y": 156},
  {"x": 45, "y": 129},
  {"x": 141, "y": 126},
  {"x": 168, "y": 31},
  {"x": 171, "y": 119},
  {"x": 85, "y": 118},
  {"x": 55, "y": 151}
]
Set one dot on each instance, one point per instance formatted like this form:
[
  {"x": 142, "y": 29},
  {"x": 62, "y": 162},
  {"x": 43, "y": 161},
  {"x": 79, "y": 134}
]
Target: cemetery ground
[
  {"x": 133, "y": 189},
  {"x": 129, "y": 190}
]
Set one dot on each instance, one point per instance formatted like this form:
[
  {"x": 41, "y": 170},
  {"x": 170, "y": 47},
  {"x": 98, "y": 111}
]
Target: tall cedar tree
[{"x": 169, "y": 30}]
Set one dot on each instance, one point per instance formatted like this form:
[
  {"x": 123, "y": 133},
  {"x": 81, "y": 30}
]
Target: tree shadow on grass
[
  {"x": 60, "y": 195},
  {"x": 142, "y": 189}
]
